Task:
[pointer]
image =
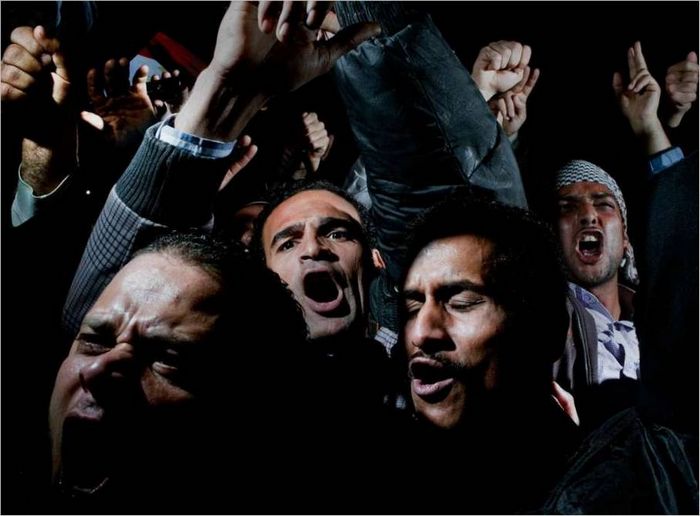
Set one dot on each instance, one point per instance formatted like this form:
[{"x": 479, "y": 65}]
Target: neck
[
  {"x": 336, "y": 344},
  {"x": 609, "y": 295}
]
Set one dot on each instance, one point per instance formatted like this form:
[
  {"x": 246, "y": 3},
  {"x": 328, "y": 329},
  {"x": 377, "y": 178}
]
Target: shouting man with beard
[
  {"x": 484, "y": 310},
  {"x": 601, "y": 363}
]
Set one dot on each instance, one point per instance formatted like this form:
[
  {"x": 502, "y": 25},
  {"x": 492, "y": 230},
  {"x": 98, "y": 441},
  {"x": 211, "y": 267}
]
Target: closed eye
[
  {"x": 412, "y": 308},
  {"x": 463, "y": 306},
  {"x": 565, "y": 207},
  {"x": 166, "y": 368},
  {"x": 165, "y": 358},
  {"x": 94, "y": 343},
  {"x": 605, "y": 205}
]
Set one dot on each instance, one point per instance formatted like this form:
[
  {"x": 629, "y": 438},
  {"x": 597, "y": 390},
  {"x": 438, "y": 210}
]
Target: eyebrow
[
  {"x": 334, "y": 222},
  {"x": 324, "y": 224},
  {"x": 447, "y": 290},
  {"x": 594, "y": 196},
  {"x": 292, "y": 230}
]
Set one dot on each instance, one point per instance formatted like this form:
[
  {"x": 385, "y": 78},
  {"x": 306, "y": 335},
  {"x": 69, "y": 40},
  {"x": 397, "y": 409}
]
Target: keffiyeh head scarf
[{"x": 578, "y": 171}]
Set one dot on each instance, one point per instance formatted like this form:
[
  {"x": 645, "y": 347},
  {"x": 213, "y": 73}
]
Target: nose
[
  {"x": 588, "y": 216},
  {"x": 428, "y": 331},
  {"x": 315, "y": 248},
  {"x": 107, "y": 374}
]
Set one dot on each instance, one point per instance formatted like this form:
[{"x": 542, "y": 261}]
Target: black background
[{"x": 572, "y": 114}]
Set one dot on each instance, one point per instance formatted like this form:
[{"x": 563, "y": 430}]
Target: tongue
[{"x": 320, "y": 287}]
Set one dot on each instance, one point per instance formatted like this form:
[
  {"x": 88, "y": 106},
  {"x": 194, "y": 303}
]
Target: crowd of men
[{"x": 432, "y": 346}]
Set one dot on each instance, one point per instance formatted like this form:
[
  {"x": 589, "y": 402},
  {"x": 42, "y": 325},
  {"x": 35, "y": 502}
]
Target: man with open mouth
[
  {"x": 592, "y": 222},
  {"x": 138, "y": 416},
  {"x": 479, "y": 353}
]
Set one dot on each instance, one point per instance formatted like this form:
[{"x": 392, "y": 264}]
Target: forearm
[
  {"x": 651, "y": 136},
  {"x": 422, "y": 128},
  {"x": 165, "y": 186},
  {"x": 218, "y": 108},
  {"x": 44, "y": 168},
  {"x": 112, "y": 242},
  {"x": 170, "y": 184}
]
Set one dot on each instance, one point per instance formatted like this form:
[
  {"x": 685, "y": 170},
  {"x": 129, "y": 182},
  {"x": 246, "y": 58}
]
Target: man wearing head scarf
[{"x": 601, "y": 364}]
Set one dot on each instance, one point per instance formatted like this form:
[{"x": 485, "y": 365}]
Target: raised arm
[
  {"x": 36, "y": 96},
  {"x": 174, "y": 177},
  {"x": 121, "y": 109},
  {"x": 639, "y": 102},
  {"x": 500, "y": 66},
  {"x": 510, "y": 107},
  {"x": 420, "y": 121},
  {"x": 260, "y": 52},
  {"x": 682, "y": 87}
]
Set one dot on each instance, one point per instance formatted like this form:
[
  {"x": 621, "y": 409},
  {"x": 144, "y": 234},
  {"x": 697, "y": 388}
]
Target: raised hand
[
  {"x": 682, "y": 87},
  {"x": 500, "y": 66},
  {"x": 35, "y": 80},
  {"x": 317, "y": 142},
  {"x": 510, "y": 108},
  {"x": 262, "y": 51},
  {"x": 639, "y": 101},
  {"x": 121, "y": 111},
  {"x": 36, "y": 93},
  {"x": 167, "y": 93}
]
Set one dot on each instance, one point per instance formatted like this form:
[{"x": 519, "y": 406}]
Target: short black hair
[
  {"x": 284, "y": 191},
  {"x": 524, "y": 273}
]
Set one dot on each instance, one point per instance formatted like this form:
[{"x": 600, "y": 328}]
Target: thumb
[
  {"x": 617, "y": 84},
  {"x": 93, "y": 120},
  {"x": 692, "y": 57},
  {"x": 49, "y": 45},
  {"x": 61, "y": 88},
  {"x": 350, "y": 37},
  {"x": 59, "y": 61},
  {"x": 140, "y": 80}
]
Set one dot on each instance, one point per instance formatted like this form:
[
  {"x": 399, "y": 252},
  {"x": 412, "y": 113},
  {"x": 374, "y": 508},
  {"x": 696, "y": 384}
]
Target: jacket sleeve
[
  {"x": 422, "y": 128},
  {"x": 164, "y": 187}
]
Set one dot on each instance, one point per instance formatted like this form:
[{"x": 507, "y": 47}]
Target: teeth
[{"x": 589, "y": 238}]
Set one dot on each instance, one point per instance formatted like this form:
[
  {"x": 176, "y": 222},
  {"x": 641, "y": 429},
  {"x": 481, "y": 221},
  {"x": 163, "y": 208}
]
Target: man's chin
[
  {"x": 328, "y": 327},
  {"x": 593, "y": 276},
  {"x": 79, "y": 481}
]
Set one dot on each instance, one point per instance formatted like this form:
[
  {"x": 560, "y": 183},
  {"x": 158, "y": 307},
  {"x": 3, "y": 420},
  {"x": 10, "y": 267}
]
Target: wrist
[
  {"x": 44, "y": 167},
  {"x": 646, "y": 127},
  {"x": 652, "y": 136},
  {"x": 487, "y": 93}
]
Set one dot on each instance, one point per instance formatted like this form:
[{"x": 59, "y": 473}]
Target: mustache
[{"x": 449, "y": 367}]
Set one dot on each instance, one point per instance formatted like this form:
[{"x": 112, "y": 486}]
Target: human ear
[{"x": 377, "y": 259}]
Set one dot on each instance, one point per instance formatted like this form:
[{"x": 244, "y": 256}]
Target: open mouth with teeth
[
  {"x": 430, "y": 380},
  {"x": 590, "y": 246},
  {"x": 322, "y": 291}
]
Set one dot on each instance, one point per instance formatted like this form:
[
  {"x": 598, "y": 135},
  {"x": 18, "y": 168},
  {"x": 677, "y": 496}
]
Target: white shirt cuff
[
  {"x": 199, "y": 147},
  {"x": 25, "y": 204}
]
